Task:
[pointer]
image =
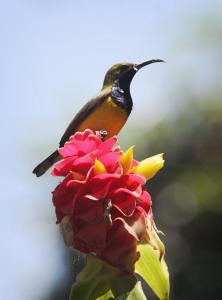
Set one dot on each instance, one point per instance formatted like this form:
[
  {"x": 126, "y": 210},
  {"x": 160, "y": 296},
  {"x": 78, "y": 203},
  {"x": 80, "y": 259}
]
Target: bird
[{"x": 107, "y": 112}]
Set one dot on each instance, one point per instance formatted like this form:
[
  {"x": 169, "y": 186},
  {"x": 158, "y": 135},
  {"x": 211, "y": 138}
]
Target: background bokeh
[{"x": 53, "y": 57}]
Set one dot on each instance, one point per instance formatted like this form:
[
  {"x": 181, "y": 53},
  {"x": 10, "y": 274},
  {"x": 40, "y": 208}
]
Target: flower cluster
[{"x": 102, "y": 203}]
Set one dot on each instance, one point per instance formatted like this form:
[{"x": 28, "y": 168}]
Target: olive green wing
[{"x": 87, "y": 109}]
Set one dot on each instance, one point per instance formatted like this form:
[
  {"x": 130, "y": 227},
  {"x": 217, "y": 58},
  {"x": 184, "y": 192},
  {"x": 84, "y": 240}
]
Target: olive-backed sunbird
[{"x": 108, "y": 110}]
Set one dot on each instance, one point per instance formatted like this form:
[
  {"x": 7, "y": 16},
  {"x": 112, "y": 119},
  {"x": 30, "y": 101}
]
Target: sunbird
[{"x": 108, "y": 111}]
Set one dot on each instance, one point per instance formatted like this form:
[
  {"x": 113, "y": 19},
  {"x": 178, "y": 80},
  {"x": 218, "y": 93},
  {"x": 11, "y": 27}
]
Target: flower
[{"x": 101, "y": 203}]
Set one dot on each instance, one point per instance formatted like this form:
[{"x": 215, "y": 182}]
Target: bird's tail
[{"x": 46, "y": 164}]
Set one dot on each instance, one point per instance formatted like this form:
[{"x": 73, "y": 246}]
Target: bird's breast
[{"x": 106, "y": 116}]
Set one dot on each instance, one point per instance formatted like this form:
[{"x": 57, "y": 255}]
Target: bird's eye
[{"x": 124, "y": 68}]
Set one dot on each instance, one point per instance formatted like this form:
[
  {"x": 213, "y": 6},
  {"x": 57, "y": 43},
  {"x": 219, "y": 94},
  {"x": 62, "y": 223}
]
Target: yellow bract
[
  {"x": 99, "y": 168},
  {"x": 126, "y": 160},
  {"x": 149, "y": 166}
]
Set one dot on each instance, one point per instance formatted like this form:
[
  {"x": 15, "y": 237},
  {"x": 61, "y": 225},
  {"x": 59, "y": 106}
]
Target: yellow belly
[{"x": 107, "y": 116}]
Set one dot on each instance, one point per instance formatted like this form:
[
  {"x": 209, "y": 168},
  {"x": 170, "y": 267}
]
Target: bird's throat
[{"x": 122, "y": 97}]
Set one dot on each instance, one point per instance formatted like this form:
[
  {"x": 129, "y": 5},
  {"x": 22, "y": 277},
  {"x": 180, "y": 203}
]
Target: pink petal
[
  {"x": 145, "y": 201},
  {"x": 69, "y": 149},
  {"x": 109, "y": 159},
  {"x": 121, "y": 192},
  {"x": 81, "y": 136},
  {"x": 101, "y": 184},
  {"x": 87, "y": 146},
  {"x": 81, "y": 183},
  {"x": 136, "y": 178},
  {"x": 63, "y": 167},
  {"x": 107, "y": 145},
  {"x": 125, "y": 205}
]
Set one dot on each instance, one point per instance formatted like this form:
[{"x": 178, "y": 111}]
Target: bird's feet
[{"x": 103, "y": 134}]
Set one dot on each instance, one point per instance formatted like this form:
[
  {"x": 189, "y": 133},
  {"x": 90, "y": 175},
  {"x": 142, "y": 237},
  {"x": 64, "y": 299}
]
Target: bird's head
[{"x": 123, "y": 73}]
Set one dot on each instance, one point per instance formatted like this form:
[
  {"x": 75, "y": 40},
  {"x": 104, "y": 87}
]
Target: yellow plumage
[{"x": 107, "y": 116}]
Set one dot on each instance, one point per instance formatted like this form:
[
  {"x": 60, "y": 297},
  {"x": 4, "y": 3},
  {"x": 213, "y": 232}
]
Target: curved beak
[{"x": 145, "y": 63}]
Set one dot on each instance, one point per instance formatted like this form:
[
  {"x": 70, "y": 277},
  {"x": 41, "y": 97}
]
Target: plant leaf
[
  {"x": 135, "y": 294},
  {"x": 153, "y": 270},
  {"x": 98, "y": 280},
  {"x": 122, "y": 284},
  {"x": 107, "y": 296},
  {"x": 91, "y": 281}
]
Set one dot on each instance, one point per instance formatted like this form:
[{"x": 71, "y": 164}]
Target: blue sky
[{"x": 53, "y": 57}]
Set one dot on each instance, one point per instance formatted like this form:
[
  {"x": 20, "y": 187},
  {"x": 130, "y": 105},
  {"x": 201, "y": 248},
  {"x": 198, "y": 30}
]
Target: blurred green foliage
[{"x": 187, "y": 197}]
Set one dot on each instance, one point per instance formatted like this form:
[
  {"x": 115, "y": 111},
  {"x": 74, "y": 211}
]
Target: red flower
[
  {"x": 102, "y": 198},
  {"x": 80, "y": 151}
]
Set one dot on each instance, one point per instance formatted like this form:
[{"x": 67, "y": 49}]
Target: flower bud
[
  {"x": 99, "y": 168},
  {"x": 149, "y": 166},
  {"x": 126, "y": 160}
]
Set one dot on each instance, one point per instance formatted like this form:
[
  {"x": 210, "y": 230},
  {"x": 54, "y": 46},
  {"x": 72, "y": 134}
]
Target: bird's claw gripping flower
[{"x": 102, "y": 198}]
